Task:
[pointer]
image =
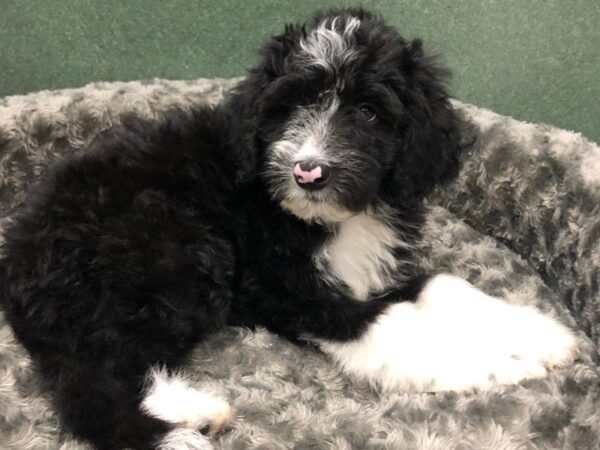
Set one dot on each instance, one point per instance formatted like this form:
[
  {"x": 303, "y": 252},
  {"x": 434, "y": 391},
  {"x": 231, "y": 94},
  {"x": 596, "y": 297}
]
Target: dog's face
[{"x": 348, "y": 115}]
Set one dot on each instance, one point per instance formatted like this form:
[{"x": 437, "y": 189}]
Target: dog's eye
[{"x": 368, "y": 112}]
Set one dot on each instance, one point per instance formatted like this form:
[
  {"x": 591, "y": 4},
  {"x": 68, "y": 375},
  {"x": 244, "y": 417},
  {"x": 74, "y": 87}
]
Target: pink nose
[
  {"x": 307, "y": 176},
  {"x": 311, "y": 175}
]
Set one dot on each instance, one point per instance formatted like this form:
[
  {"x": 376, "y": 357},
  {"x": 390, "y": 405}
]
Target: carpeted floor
[{"x": 537, "y": 60}]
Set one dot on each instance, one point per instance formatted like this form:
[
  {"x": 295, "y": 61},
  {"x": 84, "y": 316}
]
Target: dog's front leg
[{"x": 454, "y": 337}]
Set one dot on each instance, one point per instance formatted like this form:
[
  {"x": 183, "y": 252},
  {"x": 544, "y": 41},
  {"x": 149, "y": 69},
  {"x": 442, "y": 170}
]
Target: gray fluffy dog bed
[{"x": 521, "y": 222}]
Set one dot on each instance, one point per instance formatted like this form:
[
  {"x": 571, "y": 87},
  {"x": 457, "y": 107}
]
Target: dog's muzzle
[{"x": 311, "y": 175}]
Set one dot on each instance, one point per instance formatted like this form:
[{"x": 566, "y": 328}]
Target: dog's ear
[
  {"x": 275, "y": 54},
  {"x": 429, "y": 129},
  {"x": 246, "y": 103}
]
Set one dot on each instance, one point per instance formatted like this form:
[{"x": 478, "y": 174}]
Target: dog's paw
[
  {"x": 482, "y": 372},
  {"x": 172, "y": 399},
  {"x": 455, "y": 337},
  {"x": 535, "y": 337}
]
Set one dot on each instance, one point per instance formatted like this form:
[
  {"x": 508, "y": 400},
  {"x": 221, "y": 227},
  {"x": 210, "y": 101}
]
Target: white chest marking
[{"x": 361, "y": 254}]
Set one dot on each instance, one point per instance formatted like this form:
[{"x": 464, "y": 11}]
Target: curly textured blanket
[{"x": 521, "y": 222}]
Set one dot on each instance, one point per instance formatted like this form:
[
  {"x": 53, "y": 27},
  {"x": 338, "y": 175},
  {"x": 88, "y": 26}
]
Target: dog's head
[{"x": 343, "y": 115}]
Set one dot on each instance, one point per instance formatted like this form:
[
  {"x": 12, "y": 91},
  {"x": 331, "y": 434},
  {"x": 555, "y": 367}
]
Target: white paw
[
  {"x": 455, "y": 337},
  {"x": 172, "y": 399},
  {"x": 497, "y": 329},
  {"x": 536, "y": 337}
]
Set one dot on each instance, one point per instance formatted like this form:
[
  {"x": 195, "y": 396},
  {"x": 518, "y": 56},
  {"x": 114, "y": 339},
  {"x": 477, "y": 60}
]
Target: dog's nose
[{"x": 311, "y": 175}]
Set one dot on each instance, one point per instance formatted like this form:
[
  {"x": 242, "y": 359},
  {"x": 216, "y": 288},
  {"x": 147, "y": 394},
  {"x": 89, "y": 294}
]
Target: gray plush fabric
[{"x": 522, "y": 222}]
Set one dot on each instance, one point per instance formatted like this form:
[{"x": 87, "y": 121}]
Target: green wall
[{"x": 532, "y": 59}]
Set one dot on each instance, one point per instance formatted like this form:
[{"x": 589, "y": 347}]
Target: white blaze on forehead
[{"x": 330, "y": 44}]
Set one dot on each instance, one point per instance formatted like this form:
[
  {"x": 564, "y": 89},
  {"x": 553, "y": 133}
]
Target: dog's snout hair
[
  {"x": 319, "y": 132},
  {"x": 309, "y": 132}
]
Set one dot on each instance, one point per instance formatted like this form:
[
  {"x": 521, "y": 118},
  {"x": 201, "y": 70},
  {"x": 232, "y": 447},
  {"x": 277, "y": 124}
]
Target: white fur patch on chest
[{"x": 361, "y": 254}]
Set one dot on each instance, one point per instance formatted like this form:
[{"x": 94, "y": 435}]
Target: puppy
[{"x": 294, "y": 205}]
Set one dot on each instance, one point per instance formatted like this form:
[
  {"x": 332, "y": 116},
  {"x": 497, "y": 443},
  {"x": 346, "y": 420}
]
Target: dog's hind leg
[{"x": 114, "y": 412}]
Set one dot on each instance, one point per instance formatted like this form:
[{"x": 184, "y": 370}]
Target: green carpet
[{"x": 536, "y": 60}]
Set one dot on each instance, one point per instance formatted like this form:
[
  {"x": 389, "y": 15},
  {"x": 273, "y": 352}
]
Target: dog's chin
[{"x": 311, "y": 210}]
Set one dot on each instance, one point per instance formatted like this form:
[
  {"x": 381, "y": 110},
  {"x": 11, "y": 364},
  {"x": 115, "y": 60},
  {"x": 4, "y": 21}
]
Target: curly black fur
[{"x": 125, "y": 256}]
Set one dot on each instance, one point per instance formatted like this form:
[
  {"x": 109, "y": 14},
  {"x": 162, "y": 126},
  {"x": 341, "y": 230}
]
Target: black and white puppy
[{"x": 294, "y": 205}]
